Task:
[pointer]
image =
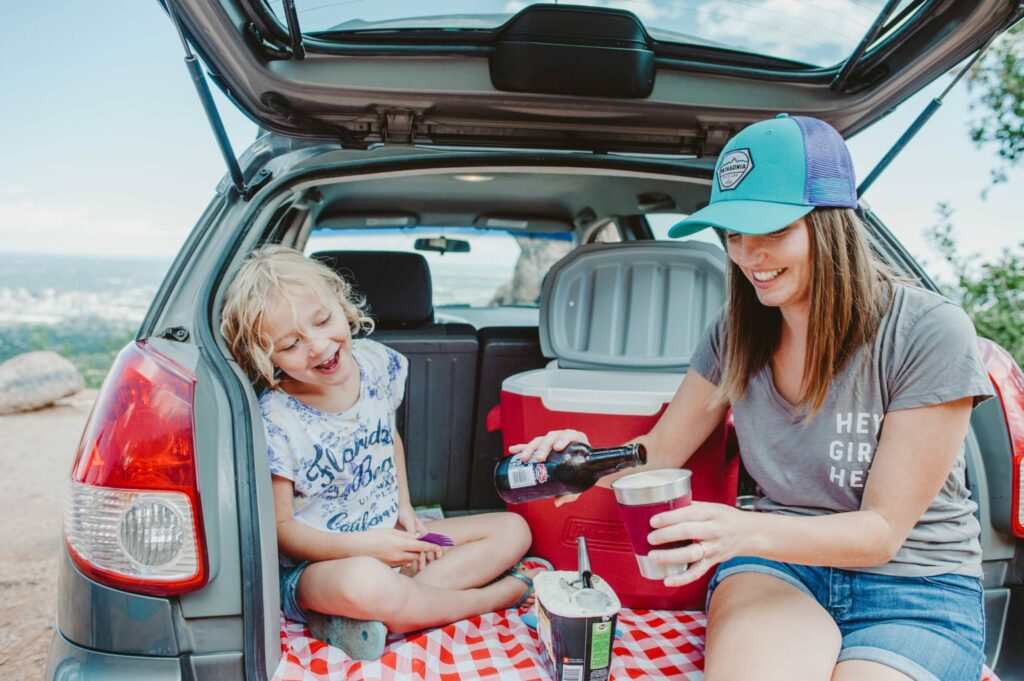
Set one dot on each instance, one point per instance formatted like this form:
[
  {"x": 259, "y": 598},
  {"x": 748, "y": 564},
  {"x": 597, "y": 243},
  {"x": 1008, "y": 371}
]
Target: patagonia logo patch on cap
[{"x": 734, "y": 166}]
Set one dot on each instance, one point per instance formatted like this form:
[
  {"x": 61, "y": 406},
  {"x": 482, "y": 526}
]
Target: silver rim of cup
[
  {"x": 652, "y": 570},
  {"x": 652, "y": 487}
]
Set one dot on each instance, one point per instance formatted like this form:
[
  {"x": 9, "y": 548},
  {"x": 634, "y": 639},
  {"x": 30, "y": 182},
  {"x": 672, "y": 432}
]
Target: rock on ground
[
  {"x": 35, "y": 464},
  {"x": 34, "y": 380}
]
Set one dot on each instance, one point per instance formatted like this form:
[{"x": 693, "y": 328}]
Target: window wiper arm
[{"x": 851, "y": 62}]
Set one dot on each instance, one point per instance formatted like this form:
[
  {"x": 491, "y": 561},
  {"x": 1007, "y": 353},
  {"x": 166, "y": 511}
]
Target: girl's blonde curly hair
[{"x": 274, "y": 271}]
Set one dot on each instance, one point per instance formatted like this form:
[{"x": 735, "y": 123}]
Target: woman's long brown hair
[{"x": 849, "y": 293}]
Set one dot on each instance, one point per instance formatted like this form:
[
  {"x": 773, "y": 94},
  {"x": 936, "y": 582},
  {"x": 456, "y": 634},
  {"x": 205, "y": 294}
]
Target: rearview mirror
[{"x": 442, "y": 245}]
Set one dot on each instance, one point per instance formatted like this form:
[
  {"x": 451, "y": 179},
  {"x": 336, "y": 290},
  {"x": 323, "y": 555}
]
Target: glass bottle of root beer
[{"x": 570, "y": 471}]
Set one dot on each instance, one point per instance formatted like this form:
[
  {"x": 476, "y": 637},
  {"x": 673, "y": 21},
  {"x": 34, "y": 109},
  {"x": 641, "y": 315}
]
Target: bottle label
[{"x": 523, "y": 474}]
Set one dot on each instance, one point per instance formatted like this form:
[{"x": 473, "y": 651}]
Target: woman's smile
[{"x": 765, "y": 278}]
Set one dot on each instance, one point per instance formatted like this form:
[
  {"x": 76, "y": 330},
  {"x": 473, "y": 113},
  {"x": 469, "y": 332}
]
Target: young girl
[
  {"x": 851, "y": 394},
  {"x": 346, "y": 530}
]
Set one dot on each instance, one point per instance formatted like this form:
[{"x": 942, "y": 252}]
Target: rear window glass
[
  {"x": 499, "y": 269},
  {"x": 820, "y": 34}
]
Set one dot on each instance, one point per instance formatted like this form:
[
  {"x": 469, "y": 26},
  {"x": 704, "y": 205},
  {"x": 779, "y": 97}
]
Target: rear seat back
[
  {"x": 436, "y": 417},
  {"x": 504, "y": 351}
]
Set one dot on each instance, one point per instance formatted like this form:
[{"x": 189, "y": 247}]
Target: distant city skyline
[{"x": 107, "y": 150}]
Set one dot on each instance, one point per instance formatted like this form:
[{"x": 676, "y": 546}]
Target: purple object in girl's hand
[{"x": 439, "y": 539}]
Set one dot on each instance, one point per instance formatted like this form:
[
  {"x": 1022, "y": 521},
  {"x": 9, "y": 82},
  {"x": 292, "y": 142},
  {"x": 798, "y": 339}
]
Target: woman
[{"x": 851, "y": 393}]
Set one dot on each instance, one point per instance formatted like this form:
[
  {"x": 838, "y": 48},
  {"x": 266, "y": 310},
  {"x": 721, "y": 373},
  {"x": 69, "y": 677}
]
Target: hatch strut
[
  {"x": 292, "y": 17},
  {"x": 195, "y": 70},
  {"x": 918, "y": 123}
]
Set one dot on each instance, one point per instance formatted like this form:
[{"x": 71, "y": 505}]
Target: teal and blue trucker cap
[{"x": 773, "y": 173}]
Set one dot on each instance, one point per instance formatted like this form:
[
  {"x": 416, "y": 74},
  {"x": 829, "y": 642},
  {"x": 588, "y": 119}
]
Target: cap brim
[{"x": 745, "y": 217}]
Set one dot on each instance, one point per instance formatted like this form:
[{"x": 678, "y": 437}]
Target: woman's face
[{"x": 778, "y": 265}]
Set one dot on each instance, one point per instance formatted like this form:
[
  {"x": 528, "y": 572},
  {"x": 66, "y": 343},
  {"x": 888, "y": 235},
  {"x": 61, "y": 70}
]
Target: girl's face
[
  {"x": 778, "y": 265},
  {"x": 314, "y": 345}
]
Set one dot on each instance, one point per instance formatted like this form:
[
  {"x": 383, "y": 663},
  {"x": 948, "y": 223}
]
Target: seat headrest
[
  {"x": 396, "y": 285},
  {"x": 637, "y": 306}
]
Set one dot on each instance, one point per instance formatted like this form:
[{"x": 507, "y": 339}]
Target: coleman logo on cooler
[{"x": 734, "y": 167}]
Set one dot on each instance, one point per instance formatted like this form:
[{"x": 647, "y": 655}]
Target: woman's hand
[
  {"x": 717, "y": 533},
  {"x": 539, "y": 448},
  {"x": 393, "y": 547}
]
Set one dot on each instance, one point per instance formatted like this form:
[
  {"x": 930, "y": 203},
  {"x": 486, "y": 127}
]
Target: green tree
[
  {"x": 992, "y": 293},
  {"x": 998, "y": 81}
]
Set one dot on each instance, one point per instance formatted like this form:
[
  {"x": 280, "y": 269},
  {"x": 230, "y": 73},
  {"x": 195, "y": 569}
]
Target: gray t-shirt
[{"x": 925, "y": 352}]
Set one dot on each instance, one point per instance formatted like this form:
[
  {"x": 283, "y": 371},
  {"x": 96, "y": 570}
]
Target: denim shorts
[
  {"x": 929, "y": 628},
  {"x": 289, "y": 582}
]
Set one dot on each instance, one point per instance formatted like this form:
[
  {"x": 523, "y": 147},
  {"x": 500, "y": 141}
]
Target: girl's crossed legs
[{"x": 457, "y": 586}]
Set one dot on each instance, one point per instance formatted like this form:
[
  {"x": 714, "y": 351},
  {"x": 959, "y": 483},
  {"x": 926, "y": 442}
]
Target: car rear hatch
[{"x": 575, "y": 77}]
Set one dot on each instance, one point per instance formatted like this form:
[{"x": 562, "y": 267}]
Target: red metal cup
[{"x": 643, "y": 495}]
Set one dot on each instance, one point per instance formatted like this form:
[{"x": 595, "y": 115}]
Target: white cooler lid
[
  {"x": 638, "y": 305},
  {"x": 586, "y": 391}
]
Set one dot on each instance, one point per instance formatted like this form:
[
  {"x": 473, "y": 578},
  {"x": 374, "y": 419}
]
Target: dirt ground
[{"x": 34, "y": 465}]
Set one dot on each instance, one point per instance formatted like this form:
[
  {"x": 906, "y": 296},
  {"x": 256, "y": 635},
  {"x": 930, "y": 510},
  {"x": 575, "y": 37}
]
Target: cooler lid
[
  {"x": 622, "y": 393},
  {"x": 639, "y": 306}
]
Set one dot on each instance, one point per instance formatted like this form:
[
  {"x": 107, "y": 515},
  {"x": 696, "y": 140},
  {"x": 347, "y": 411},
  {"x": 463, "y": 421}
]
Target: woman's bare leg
[
  {"x": 365, "y": 588},
  {"x": 865, "y": 670},
  {"x": 485, "y": 546},
  {"x": 760, "y": 627}
]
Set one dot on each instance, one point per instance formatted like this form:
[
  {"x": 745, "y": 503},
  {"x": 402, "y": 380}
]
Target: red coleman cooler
[{"x": 622, "y": 321}]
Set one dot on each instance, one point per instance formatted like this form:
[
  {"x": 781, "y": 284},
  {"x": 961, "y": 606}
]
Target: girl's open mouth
[{"x": 331, "y": 364}]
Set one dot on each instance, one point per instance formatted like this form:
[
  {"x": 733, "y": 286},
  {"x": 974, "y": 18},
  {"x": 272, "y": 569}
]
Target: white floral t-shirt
[{"x": 341, "y": 463}]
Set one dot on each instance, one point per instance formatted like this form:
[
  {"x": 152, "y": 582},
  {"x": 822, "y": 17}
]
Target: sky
[{"x": 107, "y": 151}]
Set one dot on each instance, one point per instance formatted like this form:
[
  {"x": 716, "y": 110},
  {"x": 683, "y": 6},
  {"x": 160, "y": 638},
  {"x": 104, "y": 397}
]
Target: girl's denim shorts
[
  {"x": 929, "y": 628},
  {"x": 289, "y": 581}
]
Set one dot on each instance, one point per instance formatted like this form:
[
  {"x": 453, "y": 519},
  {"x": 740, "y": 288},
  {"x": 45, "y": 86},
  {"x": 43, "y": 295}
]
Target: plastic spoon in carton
[{"x": 588, "y": 597}]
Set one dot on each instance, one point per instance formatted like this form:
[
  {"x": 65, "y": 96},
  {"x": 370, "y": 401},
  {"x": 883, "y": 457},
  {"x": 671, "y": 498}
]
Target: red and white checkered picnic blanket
[{"x": 655, "y": 644}]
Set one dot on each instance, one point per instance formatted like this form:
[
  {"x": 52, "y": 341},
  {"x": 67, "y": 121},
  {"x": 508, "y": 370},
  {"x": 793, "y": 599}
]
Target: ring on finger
[{"x": 703, "y": 552}]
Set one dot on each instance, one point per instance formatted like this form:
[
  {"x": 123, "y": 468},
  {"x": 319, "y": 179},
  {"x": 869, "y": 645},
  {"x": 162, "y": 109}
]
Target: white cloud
[
  {"x": 27, "y": 226},
  {"x": 14, "y": 190},
  {"x": 818, "y": 32},
  {"x": 822, "y": 32}
]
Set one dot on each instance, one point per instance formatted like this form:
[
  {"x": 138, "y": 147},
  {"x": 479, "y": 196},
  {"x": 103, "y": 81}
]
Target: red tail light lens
[
  {"x": 133, "y": 520},
  {"x": 1008, "y": 380}
]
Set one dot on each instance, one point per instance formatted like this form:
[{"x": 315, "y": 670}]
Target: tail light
[
  {"x": 133, "y": 520},
  {"x": 1008, "y": 380}
]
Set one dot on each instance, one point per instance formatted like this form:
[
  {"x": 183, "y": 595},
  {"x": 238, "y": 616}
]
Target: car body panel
[
  {"x": 447, "y": 98},
  {"x": 433, "y": 96},
  {"x": 68, "y": 662},
  {"x": 94, "y": 616}
]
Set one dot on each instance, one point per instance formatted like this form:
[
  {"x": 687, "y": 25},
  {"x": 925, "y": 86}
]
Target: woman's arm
[
  {"x": 302, "y": 542},
  {"x": 915, "y": 453},
  {"x": 687, "y": 422}
]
